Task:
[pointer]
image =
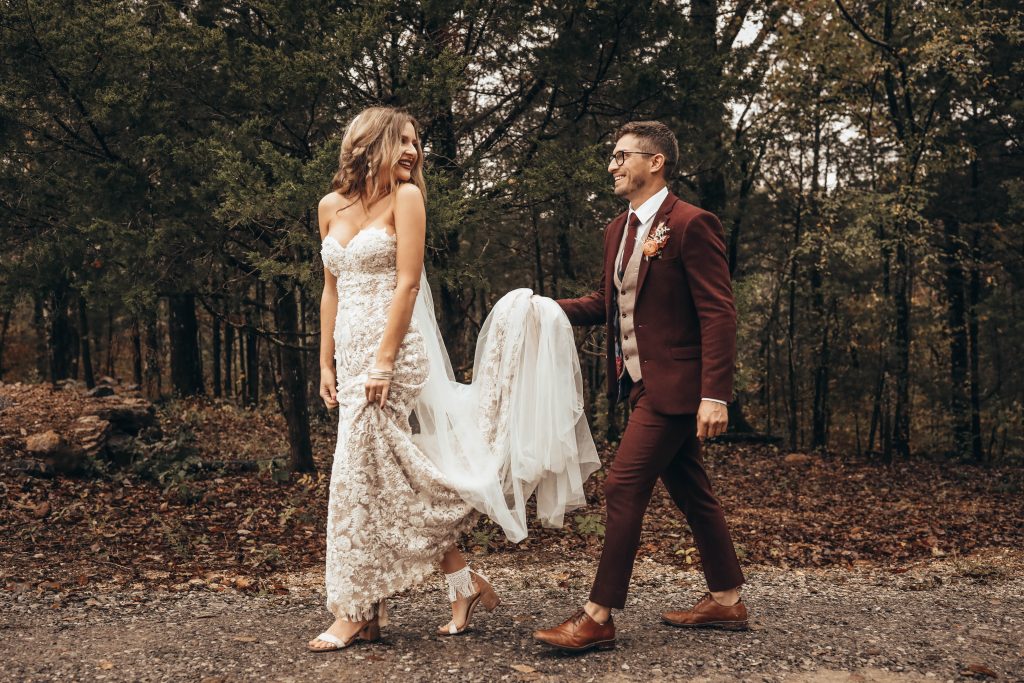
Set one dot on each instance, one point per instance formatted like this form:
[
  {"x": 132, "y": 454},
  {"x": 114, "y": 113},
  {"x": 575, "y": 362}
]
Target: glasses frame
[{"x": 623, "y": 152}]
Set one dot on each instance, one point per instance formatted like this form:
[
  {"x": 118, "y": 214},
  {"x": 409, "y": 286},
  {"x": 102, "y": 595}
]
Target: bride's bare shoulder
[
  {"x": 327, "y": 209},
  {"x": 332, "y": 201},
  {"x": 408, "y": 197}
]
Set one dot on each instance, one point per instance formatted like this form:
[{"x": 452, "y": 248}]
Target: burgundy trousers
[{"x": 665, "y": 446}]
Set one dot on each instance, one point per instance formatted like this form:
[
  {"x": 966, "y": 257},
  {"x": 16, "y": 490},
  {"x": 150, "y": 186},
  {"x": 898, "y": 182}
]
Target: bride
[{"x": 400, "y": 498}]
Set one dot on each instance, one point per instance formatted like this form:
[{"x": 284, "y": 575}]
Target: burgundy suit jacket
[{"x": 685, "y": 319}]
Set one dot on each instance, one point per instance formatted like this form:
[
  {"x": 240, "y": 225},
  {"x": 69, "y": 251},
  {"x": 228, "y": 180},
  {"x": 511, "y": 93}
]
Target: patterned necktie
[{"x": 627, "y": 250}]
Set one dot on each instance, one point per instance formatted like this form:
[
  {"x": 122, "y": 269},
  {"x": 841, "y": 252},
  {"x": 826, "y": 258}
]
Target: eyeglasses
[{"x": 620, "y": 157}]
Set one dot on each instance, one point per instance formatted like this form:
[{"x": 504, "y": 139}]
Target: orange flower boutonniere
[{"x": 656, "y": 241}]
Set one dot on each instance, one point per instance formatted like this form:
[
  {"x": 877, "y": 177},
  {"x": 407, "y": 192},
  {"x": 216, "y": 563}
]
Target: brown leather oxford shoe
[
  {"x": 709, "y": 614},
  {"x": 579, "y": 633}
]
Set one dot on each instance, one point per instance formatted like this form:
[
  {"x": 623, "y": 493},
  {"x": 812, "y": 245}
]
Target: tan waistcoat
[{"x": 626, "y": 294}]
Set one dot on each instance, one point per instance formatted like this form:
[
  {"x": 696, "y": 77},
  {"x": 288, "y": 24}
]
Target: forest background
[{"x": 162, "y": 162}]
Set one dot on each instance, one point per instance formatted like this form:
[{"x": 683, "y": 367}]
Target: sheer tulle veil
[{"x": 518, "y": 428}]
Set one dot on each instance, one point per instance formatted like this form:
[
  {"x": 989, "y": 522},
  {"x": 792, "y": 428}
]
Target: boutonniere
[{"x": 656, "y": 241}]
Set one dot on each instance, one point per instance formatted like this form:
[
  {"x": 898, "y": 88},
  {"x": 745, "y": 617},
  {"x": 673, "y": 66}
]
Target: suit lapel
[
  {"x": 615, "y": 230},
  {"x": 645, "y": 263}
]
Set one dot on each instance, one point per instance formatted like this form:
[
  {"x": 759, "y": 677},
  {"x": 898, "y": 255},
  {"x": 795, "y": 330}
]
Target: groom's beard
[
  {"x": 629, "y": 186},
  {"x": 625, "y": 188}
]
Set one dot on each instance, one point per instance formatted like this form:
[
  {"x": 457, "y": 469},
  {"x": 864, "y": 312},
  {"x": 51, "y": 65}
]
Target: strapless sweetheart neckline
[{"x": 379, "y": 228}]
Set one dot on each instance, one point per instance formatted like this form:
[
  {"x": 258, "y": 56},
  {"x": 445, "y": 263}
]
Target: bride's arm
[
  {"x": 328, "y": 312},
  {"x": 411, "y": 230}
]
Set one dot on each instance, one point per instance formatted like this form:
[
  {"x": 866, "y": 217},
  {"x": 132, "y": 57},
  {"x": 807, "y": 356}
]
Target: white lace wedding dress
[{"x": 399, "y": 500}]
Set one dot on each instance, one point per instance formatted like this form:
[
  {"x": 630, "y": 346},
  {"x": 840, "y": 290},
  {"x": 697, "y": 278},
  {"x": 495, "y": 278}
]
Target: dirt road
[{"x": 945, "y": 621}]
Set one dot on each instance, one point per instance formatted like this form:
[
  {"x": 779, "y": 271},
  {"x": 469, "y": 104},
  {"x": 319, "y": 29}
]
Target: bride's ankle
[{"x": 461, "y": 584}]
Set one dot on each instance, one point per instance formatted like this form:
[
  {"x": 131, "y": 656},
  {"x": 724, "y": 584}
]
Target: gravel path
[{"x": 933, "y": 623}]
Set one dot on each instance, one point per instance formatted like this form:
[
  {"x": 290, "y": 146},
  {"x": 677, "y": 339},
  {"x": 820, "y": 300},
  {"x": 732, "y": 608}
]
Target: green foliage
[
  {"x": 159, "y": 149},
  {"x": 589, "y": 525}
]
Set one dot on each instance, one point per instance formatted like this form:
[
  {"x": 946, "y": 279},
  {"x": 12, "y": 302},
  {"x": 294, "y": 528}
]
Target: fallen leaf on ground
[
  {"x": 981, "y": 670},
  {"x": 523, "y": 668}
]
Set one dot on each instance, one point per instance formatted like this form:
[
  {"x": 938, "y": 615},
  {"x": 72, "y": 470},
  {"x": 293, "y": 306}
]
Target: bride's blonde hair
[{"x": 370, "y": 150}]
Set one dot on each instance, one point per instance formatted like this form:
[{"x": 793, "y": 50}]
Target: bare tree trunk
[
  {"x": 229, "y": 345},
  {"x": 613, "y": 430},
  {"x": 737, "y": 420},
  {"x": 791, "y": 340},
  {"x": 538, "y": 262},
  {"x": 959, "y": 358},
  {"x": 291, "y": 387},
  {"x": 183, "y": 331},
  {"x": 565, "y": 256},
  {"x": 267, "y": 356},
  {"x": 767, "y": 396},
  {"x": 312, "y": 370},
  {"x": 85, "y": 342},
  {"x": 711, "y": 118},
  {"x": 819, "y": 408},
  {"x": 215, "y": 354},
  {"x": 110, "y": 369},
  {"x": 887, "y": 452},
  {"x": 974, "y": 293},
  {"x": 136, "y": 351},
  {"x": 3, "y": 338},
  {"x": 63, "y": 340},
  {"x": 153, "y": 372},
  {"x": 902, "y": 292},
  {"x": 41, "y": 337},
  {"x": 252, "y": 361},
  {"x": 819, "y": 432},
  {"x": 876, "y": 408},
  {"x": 879, "y": 412}
]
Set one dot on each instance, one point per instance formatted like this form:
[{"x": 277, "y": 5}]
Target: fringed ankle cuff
[{"x": 460, "y": 584}]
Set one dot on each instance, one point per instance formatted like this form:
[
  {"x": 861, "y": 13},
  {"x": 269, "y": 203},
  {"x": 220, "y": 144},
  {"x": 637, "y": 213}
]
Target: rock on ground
[{"x": 948, "y": 621}]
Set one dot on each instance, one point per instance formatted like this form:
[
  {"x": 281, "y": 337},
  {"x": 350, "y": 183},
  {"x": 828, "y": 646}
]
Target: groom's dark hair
[{"x": 655, "y": 137}]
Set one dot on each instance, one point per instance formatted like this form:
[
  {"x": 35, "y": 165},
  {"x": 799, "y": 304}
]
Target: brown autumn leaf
[
  {"x": 842, "y": 512},
  {"x": 524, "y": 668},
  {"x": 981, "y": 670}
]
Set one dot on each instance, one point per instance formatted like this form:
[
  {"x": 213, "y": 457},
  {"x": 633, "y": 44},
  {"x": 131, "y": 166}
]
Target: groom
[{"x": 666, "y": 299}]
